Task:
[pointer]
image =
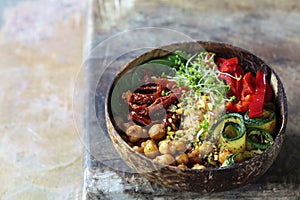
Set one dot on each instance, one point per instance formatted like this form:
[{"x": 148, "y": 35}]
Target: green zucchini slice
[
  {"x": 240, "y": 157},
  {"x": 232, "y": 132},
  {"x": 258, "y": 139},
  {"x": 266, "y": 121}
]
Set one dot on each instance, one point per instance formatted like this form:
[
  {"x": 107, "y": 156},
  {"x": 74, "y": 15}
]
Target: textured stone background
[
  {"x": 270, "y": 29},
  {"x": 40, "y": 56}
]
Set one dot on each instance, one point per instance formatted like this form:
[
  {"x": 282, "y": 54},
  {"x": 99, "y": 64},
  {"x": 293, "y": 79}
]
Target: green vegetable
[
  {"x": 266, "y": 121},
  {"x": 201, "y": 75},
  {"x": 258, "y": 139},
  {"x": 229, "y": 160},
  {"x": 231, "y": 131},
  {"x": 240, "y": 157},
  {"x": 162, "y": 62},
  {"x": 175, "y": 59}
]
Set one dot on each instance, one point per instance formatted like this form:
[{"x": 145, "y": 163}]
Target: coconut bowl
[{"x": 209, "y": 179}]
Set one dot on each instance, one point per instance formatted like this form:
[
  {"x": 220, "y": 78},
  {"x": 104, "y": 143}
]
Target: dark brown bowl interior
[{"x": 205, "y": 180}]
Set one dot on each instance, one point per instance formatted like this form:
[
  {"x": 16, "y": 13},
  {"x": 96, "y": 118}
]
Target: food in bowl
[
  {"x": 198, "y": 111},
  {"x": 153, "y": 139}
]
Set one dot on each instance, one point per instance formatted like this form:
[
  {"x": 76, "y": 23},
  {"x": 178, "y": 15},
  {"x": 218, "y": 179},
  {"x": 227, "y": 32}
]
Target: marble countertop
[
  {"x": 269, "y": 29},
  {"x": 41, "y": 52}
]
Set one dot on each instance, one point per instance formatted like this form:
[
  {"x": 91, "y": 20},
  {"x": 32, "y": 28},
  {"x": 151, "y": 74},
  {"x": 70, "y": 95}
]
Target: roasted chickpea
[
  {"x": 182, "y": 159},
  {"x": 140, "y": 141},
  {"x": 223, "y": 155},
  {"x": 134, "y": 133},
  {"x": 172, "y": 148},
  {"x": 133, "y": 139},
  {"x": 165, "y": 159},
  {"x": 143, "y": 144},
  {"x": 194, "y": 157},
  {"x": 151, "y": 149},
  {"x": 179, "y": 146},
  {"x": 157, "y": 131},
  {"x": 166, "y": 147},
  {"x": 197, "y": 166},
  {"x": 138, "y": 149}
]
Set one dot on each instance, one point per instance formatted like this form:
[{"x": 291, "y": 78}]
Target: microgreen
[{"x": 200, "y": 73}]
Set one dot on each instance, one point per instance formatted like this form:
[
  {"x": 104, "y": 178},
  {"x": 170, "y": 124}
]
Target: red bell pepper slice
[
  {"x": 241, "y": 107},
  {"x": 230, "y": 107},
  {"x": 250, "y": 92},
  {"x": 231, "y": 67},
  {"x": 258, "y": 99},
  {"x": 248, "y": 87},
  {"x": 227, "y": 65}
]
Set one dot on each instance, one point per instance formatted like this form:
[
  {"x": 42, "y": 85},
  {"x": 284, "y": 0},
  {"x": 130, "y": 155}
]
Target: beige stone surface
[
  {"x": 269, "y": 29},
  {"x": 41, "y": 52}
]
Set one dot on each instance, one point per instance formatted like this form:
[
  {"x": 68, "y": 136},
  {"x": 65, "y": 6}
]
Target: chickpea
[
  {"x": 157, "y": 131},
  {"x": 134, "y": 133},
  {"x": 139, "y": 143},
  {"x": 179, "y": 146},
  {"x": 133, "y": 139},
  {"x": 172, "y": 148},
  {"x": 182, "y": 159},
  {"x": 143, "y": 144},
  {"x": 197, "y": 166},
  {"x": 138, "y": 149},
  {"x": 165, "y": 147},
  {"x": 151, "y": 149},
  {"x": 165, "y": 159},
  {"x": 194, "y": 157},
  {"x": 223, "y": 155}
]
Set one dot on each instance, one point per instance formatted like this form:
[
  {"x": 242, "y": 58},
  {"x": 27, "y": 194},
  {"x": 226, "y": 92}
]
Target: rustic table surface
[{"x": 116, "y": 33}]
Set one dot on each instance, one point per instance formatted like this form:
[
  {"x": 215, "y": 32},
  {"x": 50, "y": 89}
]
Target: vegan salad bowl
[{"x": 197, "y": 116}]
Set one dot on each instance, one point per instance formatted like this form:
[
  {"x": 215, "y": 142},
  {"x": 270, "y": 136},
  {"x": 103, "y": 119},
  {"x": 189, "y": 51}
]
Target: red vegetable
[
  {"x": 230, "y": 107},
  {"x": 233, "y": 74},
  {"x": 227, "y": 65},
  {"x": 238, "y": 74},
  {"x": 248, "y": 86},
  {"x": 250, "y": 92},
  {"x": 258, "y": 99},
  {"x": 241, "y": 107}
]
